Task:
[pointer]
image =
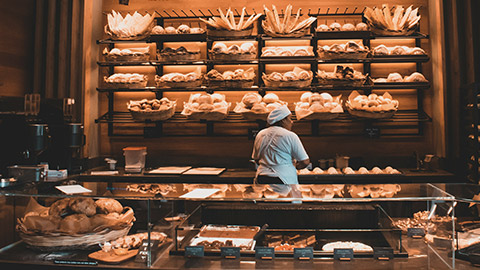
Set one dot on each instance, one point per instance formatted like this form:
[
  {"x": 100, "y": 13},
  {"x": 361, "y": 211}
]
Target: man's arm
[{"x": 302, "y": 164}]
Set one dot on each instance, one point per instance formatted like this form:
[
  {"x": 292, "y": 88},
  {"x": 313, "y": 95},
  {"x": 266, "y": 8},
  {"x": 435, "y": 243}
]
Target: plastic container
[{"x": 134, "y": 158}]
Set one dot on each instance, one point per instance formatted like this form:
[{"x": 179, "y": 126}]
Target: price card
[
  {"x": 372, "y": 132},
  {"x": 194, "y": 251},
  {"x": 343, "y": 254},
  {"x": 142, "y": 254},
  {"x": 416, "y": 232},
  {"x": 265, "y": 253},
  {"x": 230, "y": 252},
  {"x": 92, "y": 263},
  {"x": 303, "y": 253},
  {"x": 383, "y": 253}
]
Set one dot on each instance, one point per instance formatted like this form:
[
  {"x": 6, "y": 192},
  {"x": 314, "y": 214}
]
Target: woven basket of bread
[
  {"x": 371, "y": 115},
  {"x": 153, "y": 115},
  {"x": 212, "y": 32},
  {"x": 47, "y": 229},
  {"x": 295, "y": 83}
]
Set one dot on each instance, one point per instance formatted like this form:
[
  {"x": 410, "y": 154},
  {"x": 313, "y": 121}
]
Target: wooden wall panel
[
  {"x": 17, "y": 22},
  {"x": 236, "y": 151}
]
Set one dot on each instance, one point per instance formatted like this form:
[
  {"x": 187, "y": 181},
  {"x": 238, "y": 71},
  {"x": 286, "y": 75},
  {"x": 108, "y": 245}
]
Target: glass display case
[{"x": 408, "y": 220}]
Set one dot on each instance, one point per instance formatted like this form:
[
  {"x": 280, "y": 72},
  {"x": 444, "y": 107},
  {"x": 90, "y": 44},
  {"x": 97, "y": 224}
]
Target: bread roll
[
  {"x": 83, "y": 206},
  {"x": 38, "y": 223},
  {"x": 59, "y": 208},
  {"x": 270, "y": 98},
  {"x": 73, "y": 224},
  {"x": 107, "y": 206}
]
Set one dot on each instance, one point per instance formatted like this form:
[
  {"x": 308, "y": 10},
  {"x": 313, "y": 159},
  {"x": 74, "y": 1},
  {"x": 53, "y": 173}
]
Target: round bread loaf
[
  {"x": 83, "y": 206},
  {"x": 107, "y": 206},
  {"x": 59, "y": 208},
  {"x": 76, "y": 223},
  {"x": 38, "y": 223}
]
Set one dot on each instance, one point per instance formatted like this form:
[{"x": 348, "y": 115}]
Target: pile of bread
[
  {"x": 372, "y": 102},
  {"x": 180, "y": 53},
  {"x": 236, "y": 78},
  {"x": 287, "y": 51},
  {"x": 202, "y": 103},
  {"x": 342, "y": 75},
  {"x": 397, "y": 50},
  {"x": 227, "y": 21},
  {"x": 220, "y": 50},
  {"x": 311, "y": 103},
  {"x": 374, "y": 191},
  {"x": 175, "y": 79},
  {"x": 298, "y": 77},
  {"x": 351, "y": 49},
  {"x": 255, "y": 103},
  {"x": 126, "y": 79},
  {"x": 127, "y": 54},
  {"x": 317, "y": 170},
  {"x": 128, "y": 27},
  {"x": 170, "y": 30},
  {"x": 73, "y": 216},
  {"x": 374, "y": 170},
  {"x": 123, "y": 244},
  {"x": 289, "y": 25},
  {"x": 146, "y": 105},
  {"x": 335, "y": 26},
  {"x": 400, "y": 21},
  {"x": 396, "y": 77}
]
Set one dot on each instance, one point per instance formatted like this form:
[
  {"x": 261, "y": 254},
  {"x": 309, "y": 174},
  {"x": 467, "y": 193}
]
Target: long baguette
[
  {"x": 286, "y": 19},
  {"x": 405, "y": 17},
  {"x": 396, "y": 17},
  {"x": 277, "y": 19},
  {"x": 240, "y": 22},
  {"x": 292, "y": 25},
  {"x": 230, "y": 27},
  {"x": 247, "y": 25},
  {"x": 388, "y": 16}
]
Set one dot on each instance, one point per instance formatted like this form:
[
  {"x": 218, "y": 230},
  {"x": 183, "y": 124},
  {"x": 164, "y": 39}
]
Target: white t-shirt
[{"x": 274, "y": 148}]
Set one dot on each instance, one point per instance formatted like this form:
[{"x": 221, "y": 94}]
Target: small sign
[
  {"x": 442, "y": 243},
  {"x": 416, "y": 232},
  {"x": 372, "y": 132},
  {"x": 265, "y": 253},
  {"x": 383, "y": 253},
  {"x": 75, "y": 262},
  {"x": 194, "y": 251},
  {"x": 142, "y": 255},
  {"x": 230, "y": 252},
  {"x": 303, "y": 253},
  {"x": 343, "y": 254}
]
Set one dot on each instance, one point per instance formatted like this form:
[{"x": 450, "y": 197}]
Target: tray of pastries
[
  {"x": 374, "y": 191},
  {"x": 337, "y": 27},
  {"x": 130, "y": 27},
  {"x": 288, "y": 241},
  {"x": 238, "y": 78},
  {"x": 213, "y": 237},
  {"x": 204, "y": 106},
  {"x": 154, "y": 110},
  {"x": 170, "y": 54},
  {"x": 255, "y": 107},
  {"x": 126, "y": 80},
  {"x": 396, "y": 78},
  {"x": 298, "y": 77},
  {"x": 180, "y": 80},
  {"x": 127, "y": 54},
  {"x": 280, "y": 52},
  {"x": 349, "y": 50},
  {"x": 236, "y": 52},
  {"x": 384, "y": 51},
  {"x": 318, "y": 106},
  {"x": 74, "y": 223},
  {"x": 372, "y": 106},
  {"x": 341, "y": 76}
]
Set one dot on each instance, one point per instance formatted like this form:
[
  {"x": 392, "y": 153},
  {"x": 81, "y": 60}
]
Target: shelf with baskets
[{"x": 261, "y": 63}]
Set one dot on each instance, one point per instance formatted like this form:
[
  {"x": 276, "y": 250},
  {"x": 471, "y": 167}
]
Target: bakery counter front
[
  {"x": 211, "y": 226},
  {"x": 209, "y": 175}
]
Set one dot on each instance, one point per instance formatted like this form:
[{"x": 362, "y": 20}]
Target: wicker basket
[
  {"x": 239, "y": 83},
  {"x": 56, "y": 241},
  {"x": 190, "y": 84},
  {"x": 233, "y": 57},
  {"x": 384, "y": 32},
  {"x": 211, "y": 32},
  {"x": 300, "y": 33},
  {"x": 127, "y": 58},
  {"x": 140, "y": 36},
  {"x": 136, "y": 85},
  {"x": 154, "y": 115},
  {"x": 341, "y": 82},
  {"x": 255, "y": 116},
  {"x": 280, "y": 84},
  {"x": 179, "y": 57},
  {"x": 341, "y": 55},
  {"x": 370, "y": 115},
  {"x": 321, "y": 116},
  {"x": 209, "y": 116}
]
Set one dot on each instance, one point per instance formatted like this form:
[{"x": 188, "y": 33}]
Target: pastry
[
  {"x": 323, "y": 28},
  {"x": 335, "y": 26},
  {"x": 84, "y": 206},
  {"x": 250, "y": 99},
  {"x": 347, "y": 27},
  {"x": 361, "y": 27},
  {"x": 417, "y": 51},
  {"x": 170, "y": 30},
  {"x": 394, "y": 77},
  {"x": 270, "y": 98},
  {"x": 416, "y": 77},
  {"x": 247, "y": 47},
  {"x": 74, "y": 224},
  {"x": 381, "y": 50},
  {"x": 158, "y": 30},
  {"x": 59, "y": 208},
  {"x": 183, "y": 29},
  {"x": 107, "y": 206},
  {"x": 219, "y": 47},
  {"x": 399, "y": 50}
]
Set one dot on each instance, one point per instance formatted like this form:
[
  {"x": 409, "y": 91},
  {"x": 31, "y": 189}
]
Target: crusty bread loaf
[
  {"x": 76, "y": 223},
  {"x": 59, "y": 208},
  {"x": 107, "y": 206},
  {"x": 83, "y": 206}
]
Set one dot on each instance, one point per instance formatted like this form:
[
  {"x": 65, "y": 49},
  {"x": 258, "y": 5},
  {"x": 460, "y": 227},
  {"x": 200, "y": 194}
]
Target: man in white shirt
[{"x": 276, "y": 148}]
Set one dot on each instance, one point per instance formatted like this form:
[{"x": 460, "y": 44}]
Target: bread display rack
[{"x": 411, "y": 120}]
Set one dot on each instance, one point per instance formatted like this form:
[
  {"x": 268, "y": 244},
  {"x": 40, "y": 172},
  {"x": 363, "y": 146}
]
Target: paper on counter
[
  {"x": 200, "y": 193},
  {"x": 73, "y": 189},
  {"x": 204, "y": 171},
  {"x": 103, "y": 172},
  {"x": 169, "y": 170}
]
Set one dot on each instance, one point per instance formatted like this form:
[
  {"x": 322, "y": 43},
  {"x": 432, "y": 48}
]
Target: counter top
[{"x": 245, "y": 176}]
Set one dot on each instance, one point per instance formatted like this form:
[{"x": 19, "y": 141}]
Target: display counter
[
  {"x": 245, "y": 176},
  {"x": 243, "y": 218}
]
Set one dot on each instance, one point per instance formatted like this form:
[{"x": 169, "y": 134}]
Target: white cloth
[
  {"x": 278, "y": 114},
  {"x": 274, "y": 148}
]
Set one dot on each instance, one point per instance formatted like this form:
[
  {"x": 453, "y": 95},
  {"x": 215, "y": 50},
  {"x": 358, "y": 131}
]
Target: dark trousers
[{"x": 264, "y": 179}]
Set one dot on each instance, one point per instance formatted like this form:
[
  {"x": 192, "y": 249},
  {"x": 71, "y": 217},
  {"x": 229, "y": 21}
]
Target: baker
[{"x": 278, "y": 151}]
